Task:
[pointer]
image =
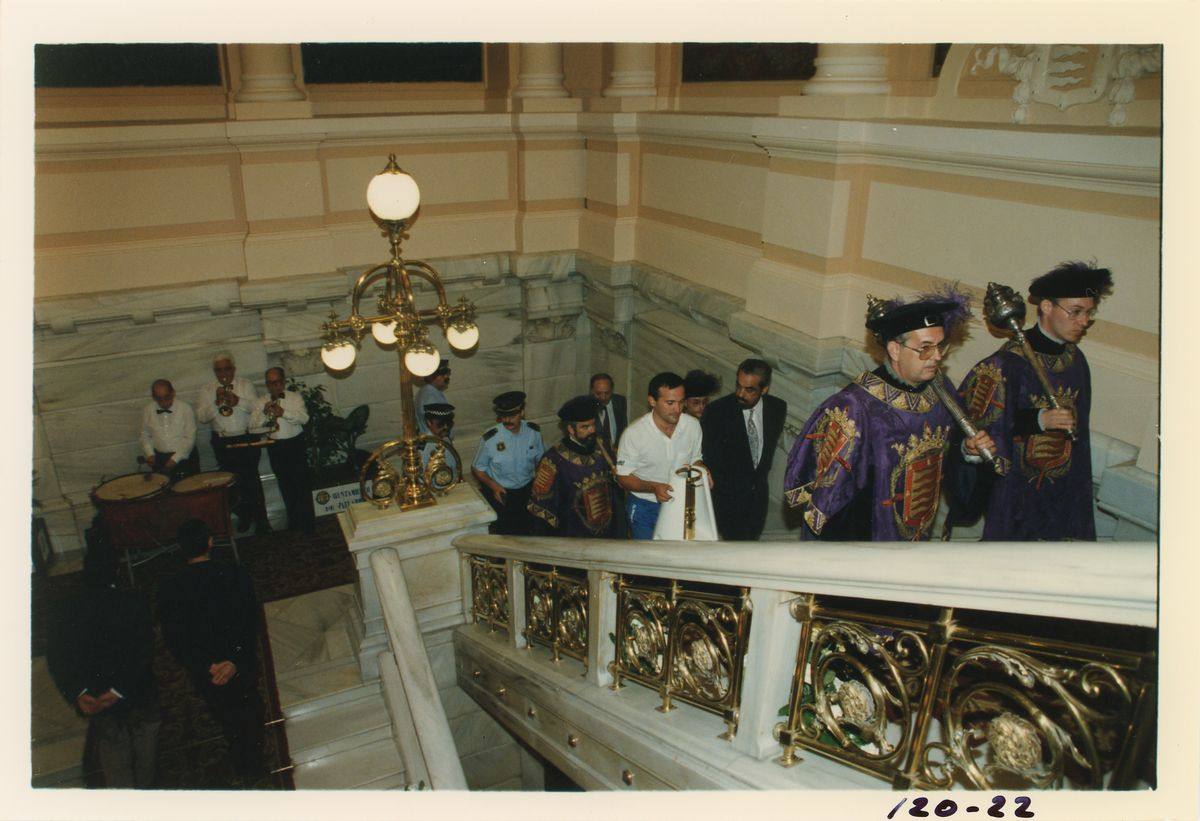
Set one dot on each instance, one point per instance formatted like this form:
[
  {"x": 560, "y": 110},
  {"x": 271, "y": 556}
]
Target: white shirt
[
  {"x": 291, "y": 424},
  {"x": 755, "y": 413},
  {"x": 652, "y": 456},
  {"x": 236, "y": 423},
  {"x": 608, "y": 413},
  {"x": 173, "y": 432}
]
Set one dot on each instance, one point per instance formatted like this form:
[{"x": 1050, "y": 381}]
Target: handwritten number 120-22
[{"x": 946, "y": 807}]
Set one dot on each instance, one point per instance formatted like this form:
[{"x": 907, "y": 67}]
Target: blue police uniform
[{"x": 510, "y": 459}]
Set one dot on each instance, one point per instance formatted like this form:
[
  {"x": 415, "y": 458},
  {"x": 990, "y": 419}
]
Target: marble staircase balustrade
[{"x": 1094, "y": 601}]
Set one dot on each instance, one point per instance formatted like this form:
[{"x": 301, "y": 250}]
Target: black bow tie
[{"x": 163, "y": 410}]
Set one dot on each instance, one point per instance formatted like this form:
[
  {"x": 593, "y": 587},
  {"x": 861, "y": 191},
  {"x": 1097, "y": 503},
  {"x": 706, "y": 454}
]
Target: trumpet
[
  {"x": 274, "y": 417},
  {"x": 224, "y": 394}
]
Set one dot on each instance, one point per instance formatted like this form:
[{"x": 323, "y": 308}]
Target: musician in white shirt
[
  {"x": 283, "y": 415},
  {"x": 168, "y": 436},
  {"x": 226, "y": 405}
]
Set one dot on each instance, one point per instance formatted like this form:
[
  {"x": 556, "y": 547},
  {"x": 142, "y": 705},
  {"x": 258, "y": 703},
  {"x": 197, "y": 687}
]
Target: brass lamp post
[{"x": 393, "y": 197}]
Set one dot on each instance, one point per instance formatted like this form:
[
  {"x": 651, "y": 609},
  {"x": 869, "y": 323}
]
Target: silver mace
[
  {"x": 1004, "y": 309},
  {"x": 964, "y": 424}
]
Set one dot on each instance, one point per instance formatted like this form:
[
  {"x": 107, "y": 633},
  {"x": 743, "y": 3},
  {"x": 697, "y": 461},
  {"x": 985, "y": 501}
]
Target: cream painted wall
[
  {"x": 862, "y": 209},
  {"x": 980, "y": 239}
]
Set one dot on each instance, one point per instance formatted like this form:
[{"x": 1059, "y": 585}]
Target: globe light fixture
[
  {"x": 338, "y": 357},
  {"x": 421, "y": 359},
  {"x": 384, "y": 332},
  {"x": 393, "y": 196},
  {"x": 462, "y": 339}
]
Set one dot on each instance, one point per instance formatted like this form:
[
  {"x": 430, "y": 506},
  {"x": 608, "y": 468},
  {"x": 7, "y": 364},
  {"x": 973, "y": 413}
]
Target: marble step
[
  {"x": 331, "y": 699},
  {"x": 324, "y": 686},
  {"x": 337, "y": 728},
  {"x": 363, "y": 767},
  {"x": 59, "y": 761}
]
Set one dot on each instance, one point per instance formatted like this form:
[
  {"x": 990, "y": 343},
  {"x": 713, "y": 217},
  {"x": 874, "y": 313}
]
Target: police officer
[
  {"x": 439, "y": 419},
  {"x": 505, "y": 463}
]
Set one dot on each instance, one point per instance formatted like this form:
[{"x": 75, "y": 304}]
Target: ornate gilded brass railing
[
  {"x": 686, "y": 641},
  {"x": 556, "y": 610},
  {"x": 489, "y": 592},
  {"x": 931, "y": 698}
]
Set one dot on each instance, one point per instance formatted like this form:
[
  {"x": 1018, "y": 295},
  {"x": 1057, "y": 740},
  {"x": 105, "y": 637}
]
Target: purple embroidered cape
[
  {"x": 870, "y": 462},
  {"x": 574, "y": 494},
  {"x": 1047, "y": 492}
]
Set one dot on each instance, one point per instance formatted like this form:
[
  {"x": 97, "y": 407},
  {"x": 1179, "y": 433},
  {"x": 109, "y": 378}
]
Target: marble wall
[{"x": 97, "y": 356}]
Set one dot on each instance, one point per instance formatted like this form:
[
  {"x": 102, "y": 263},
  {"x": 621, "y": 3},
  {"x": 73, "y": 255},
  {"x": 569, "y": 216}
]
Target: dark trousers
[
  {"x": 125, "y": 739},
  {"x": 183, "y": 467},
  {"x": 289, "y": 463},
  {"x": 238, "y": 708},
  {"x": 513, "y": 517},
  {"x": 242, "y": 463}
]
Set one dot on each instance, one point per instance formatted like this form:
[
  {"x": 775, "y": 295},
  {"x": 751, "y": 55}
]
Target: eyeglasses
[
  {"x": 1076, "y": 313},
  {"x": 925, "y": 352}
]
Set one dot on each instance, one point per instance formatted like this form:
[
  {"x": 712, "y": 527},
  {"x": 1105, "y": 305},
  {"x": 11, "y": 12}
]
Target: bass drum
[
  {"x": 130, "y": 508},
  {"x": 203, "y": 496}
]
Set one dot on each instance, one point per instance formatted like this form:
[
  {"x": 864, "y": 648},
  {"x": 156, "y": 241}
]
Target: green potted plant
[{"x": 332, "y": 457}]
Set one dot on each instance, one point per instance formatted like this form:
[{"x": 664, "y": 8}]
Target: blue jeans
[{"x": 642, "y": 517}]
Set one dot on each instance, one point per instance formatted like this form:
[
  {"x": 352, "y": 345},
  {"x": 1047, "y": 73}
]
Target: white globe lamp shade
[
  {"x": 421, "y": 360},
  {"x": 384, "y": 332},
  {"x": 338, "y": 357},
  {"x": 393, "y": 195},
  {"x": 462, "y": 340}
]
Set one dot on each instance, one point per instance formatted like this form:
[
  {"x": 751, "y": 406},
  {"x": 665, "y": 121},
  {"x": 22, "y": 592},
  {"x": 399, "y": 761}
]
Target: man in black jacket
[
  {"x": 741, "y": 431},
  {"x": 100, "y": 655},
  {"x": 209, "y": 617},
  {"x": 611, "y": 410}
]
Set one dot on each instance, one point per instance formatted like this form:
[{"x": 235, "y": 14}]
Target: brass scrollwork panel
[
  {"x": 862, "y": 684},
  {"x": 556, "y": 610},
  {"x": 686, "y": 643},
  {"x": 489, "y": 592},
  {"x": 977, "y": 700},
  {"x": 1012, "y": 718}
]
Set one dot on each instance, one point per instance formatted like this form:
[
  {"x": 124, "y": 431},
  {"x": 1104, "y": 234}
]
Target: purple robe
[
  {"x": 1047, "y": 492},
  {"x": 574, "y": 493},
  {"x": 869, "y": 463}
]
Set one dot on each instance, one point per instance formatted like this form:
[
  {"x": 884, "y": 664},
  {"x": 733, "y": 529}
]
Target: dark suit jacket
[
  {"x": 102, "y": 640},
  {"x": 621, "y": 411},
  {"x": 209, "y": 613},
  {"x": 739, "y": 488}
]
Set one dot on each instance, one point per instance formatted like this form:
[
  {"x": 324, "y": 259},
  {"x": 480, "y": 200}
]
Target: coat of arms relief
[{"x": 1068, "y": 75}]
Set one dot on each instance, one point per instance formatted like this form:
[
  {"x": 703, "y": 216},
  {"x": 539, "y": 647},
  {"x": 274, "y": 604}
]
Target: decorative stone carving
[
  {"x": 613, "y": 341},
  {"x": 1068, "y": 75},
  {"x": 302, "y": 362},
  {"x": 549, "y": 329}
]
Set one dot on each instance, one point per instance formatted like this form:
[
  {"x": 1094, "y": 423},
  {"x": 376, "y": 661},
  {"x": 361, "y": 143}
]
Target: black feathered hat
[{"x": 1072, "y": 279}]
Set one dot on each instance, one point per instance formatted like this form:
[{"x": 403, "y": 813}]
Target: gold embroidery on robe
[{"x": 916, "y": 482}]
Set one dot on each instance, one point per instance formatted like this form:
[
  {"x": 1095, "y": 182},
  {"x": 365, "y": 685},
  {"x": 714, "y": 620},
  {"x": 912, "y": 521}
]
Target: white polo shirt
[{"x": 652, "y": 456}]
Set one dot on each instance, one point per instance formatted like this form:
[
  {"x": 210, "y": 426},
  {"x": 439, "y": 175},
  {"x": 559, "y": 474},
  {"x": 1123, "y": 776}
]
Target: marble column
[
  {"x": 267, "y": 87},
  {"x": 633, "y": 71},
  {"x": 849, "y": 69},
  {"x": 540, "y": 80}
]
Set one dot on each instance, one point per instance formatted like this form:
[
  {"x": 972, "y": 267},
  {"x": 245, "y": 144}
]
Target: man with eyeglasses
[
  {"x": 1047, "y": 493},
  {"x": 870, "y": 462}
]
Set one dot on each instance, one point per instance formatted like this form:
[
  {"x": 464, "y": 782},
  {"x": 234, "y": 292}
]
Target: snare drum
[
  {"x": 203, "y": 496},
  {"x": 130, "y": 508}
]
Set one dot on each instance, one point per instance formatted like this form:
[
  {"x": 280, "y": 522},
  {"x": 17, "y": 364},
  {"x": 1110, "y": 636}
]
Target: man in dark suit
[
  {"x": 100, "y": 655},
  {"x": 209, "y": 617},
  {"x": 611, "y": 410},
  {"x": 741, "y": 431}
]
